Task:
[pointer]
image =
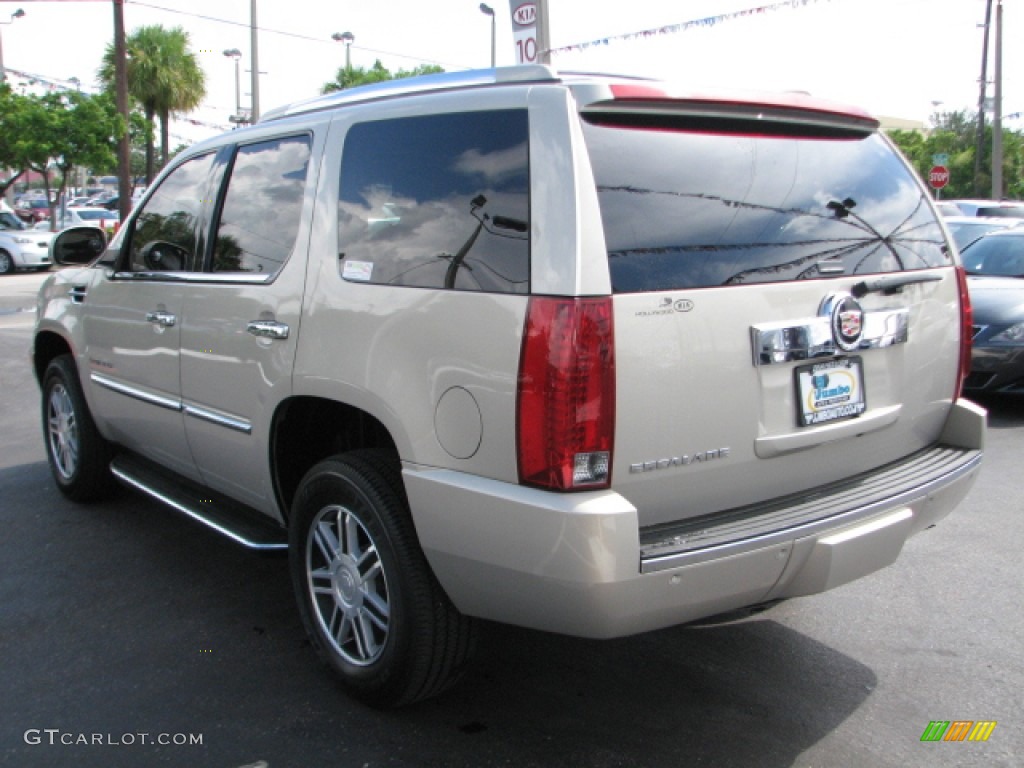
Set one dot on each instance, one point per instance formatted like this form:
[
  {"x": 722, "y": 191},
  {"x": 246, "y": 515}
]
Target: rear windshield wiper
[{"x": 891, "y": 284}]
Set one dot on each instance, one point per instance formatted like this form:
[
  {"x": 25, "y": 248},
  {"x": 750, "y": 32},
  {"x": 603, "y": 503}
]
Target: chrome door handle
[
  {"x": 267, "y": 329},
  {"x": 166, "y": 319}
]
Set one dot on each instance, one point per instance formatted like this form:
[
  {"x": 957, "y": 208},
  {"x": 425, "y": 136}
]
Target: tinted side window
[
  {"x": 165, "y": 236},
  {"x": 439, "y": 201},
  {"x": 262, "y": 207},
  {"x": 10, "y": 221},
  {"x": 1003, "y": 212},
  {"x": 689, "y": 209}
]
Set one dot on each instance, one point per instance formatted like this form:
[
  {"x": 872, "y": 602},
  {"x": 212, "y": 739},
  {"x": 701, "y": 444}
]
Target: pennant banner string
[{"x": 709, "y": 21}]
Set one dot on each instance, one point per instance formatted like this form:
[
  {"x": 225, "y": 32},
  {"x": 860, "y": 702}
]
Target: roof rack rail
[{"x": 421, "y": 84}]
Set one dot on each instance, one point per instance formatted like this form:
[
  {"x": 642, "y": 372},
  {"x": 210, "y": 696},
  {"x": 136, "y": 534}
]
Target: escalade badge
[{"x": 846, "y": 318}]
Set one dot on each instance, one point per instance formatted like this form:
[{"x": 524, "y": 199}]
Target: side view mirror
[{"x": 78, "y": 246}]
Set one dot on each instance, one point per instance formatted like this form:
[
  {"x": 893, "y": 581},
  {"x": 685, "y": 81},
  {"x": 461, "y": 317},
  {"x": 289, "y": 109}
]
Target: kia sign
[
  {"x": 938, "y": 176},
  {"x": 524, "y": 14},
  {"x": 524, "y": 30}
]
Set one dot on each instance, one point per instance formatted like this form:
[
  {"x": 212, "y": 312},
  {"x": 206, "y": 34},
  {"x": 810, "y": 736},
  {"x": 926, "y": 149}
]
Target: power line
[{"x": 295, "y": 35}]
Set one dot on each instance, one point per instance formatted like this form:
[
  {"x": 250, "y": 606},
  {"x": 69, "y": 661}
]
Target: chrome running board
[{"x": 241, "y": 524}]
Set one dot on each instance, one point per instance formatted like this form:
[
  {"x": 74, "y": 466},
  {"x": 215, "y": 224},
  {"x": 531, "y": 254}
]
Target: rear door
[
  {"x": 786, "y": 305},
  {"x": 240, "y": 319}
]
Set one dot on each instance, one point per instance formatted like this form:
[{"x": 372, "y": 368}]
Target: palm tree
[{"x": 164, "y": 78}]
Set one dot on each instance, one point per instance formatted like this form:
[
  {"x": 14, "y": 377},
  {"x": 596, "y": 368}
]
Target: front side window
[
  {"x": 690, "y": 208},
  {"x": 165, "y": 237},
  {"x": 439, "y": 201},
  {"x": 262, "y": 207}
]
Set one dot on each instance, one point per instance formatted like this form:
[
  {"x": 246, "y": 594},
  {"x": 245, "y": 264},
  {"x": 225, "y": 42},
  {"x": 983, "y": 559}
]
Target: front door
[{"x": 132, "y": 321}]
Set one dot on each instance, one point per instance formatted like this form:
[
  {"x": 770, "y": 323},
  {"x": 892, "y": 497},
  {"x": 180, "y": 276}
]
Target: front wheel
[
  {"x": 6, "y": 263},
  {"x": 78, "y": 454},
  {"x": 373, "y": 609}
]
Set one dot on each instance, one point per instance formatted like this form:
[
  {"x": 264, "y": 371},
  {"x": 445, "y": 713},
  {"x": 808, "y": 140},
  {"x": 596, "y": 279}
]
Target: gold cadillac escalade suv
[{"x": 592, "y": 355}]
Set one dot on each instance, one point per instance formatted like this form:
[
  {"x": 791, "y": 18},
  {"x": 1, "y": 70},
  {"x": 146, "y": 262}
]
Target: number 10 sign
[{"x": 524, "y": 30}]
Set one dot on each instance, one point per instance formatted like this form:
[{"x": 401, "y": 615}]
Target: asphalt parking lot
[{"x": 134, "y": 637}]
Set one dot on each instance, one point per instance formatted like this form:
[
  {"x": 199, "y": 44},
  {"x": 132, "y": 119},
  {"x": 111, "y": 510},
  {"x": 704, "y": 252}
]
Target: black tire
[
  {"x": 6, "y": 263},
  {"x": 79, "y": 456},
  {"x": 374, "y": 611}
]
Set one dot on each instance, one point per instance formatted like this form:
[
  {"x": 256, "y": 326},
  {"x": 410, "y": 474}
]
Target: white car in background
[
  {"x": 1010, "y": 209},
  {"x": 84, "y": 217},
  {"x": 966, "y": 229},
  {"x": 20, "y": 246}
]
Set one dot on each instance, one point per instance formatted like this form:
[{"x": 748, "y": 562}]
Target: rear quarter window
[
  {"x": 685, "y": 208},
  {"x": 438, "y": 201}
]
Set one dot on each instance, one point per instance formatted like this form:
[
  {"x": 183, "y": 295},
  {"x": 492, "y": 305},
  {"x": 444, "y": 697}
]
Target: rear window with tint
[{"x": 690, "y": 209}]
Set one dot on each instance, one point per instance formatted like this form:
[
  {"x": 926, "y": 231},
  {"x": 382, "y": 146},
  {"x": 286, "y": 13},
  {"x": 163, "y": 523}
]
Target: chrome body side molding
[
  {"x": 147, "y": 397},
  {"x": 172, "y": 404},
  {"x": 238, "y": 425}
]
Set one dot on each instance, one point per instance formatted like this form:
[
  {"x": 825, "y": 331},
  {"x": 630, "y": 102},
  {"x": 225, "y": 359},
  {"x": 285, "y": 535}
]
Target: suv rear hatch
[{"x": 787, "y": 310}]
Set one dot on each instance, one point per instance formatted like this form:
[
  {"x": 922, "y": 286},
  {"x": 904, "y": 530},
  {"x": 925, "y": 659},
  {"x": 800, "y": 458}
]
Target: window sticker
[{"x": 360, "y": 271}]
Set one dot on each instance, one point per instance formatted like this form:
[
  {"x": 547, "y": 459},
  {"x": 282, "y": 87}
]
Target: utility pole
[
  {"x": 544, "y": 33},
  {"x": 124, "y": 146},
  {"x": 997, "y": 115},
  {"x": 980, "y": 143},
  {"x": 254, "y": 27}
]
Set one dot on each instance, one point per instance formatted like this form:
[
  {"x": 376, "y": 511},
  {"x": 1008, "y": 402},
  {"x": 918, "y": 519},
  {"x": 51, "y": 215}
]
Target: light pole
[
  {"x": 347, "y": 38},
  {"x": 16, "y": 15},
  {"x": 488, "y": 11},
  {"x": 234, "y": 53}
]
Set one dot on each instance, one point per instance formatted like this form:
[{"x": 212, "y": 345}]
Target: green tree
[
  {"x": 350, "y": 78},
  {"x": 9, "y": 105},
  {"x": 87, "y": 129},
  {"x": 164, "y": 79},
  {"x": 955, "y": 134},
  {"x": 57, "y": 133}
]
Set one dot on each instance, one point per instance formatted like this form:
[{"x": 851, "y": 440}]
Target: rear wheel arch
[{"x": 307, "y": 430}]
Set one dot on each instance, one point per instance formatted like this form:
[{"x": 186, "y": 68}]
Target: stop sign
[{"x": 938, "y": 176}]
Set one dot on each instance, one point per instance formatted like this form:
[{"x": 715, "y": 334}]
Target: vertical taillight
[
  {"x": 966, "y": 331},
  {"x": 566, "y": 394}
]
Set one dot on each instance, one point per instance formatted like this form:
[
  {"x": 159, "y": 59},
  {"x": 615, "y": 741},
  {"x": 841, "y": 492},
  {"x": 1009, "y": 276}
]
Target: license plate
[{"x": 830, "y": 391}]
